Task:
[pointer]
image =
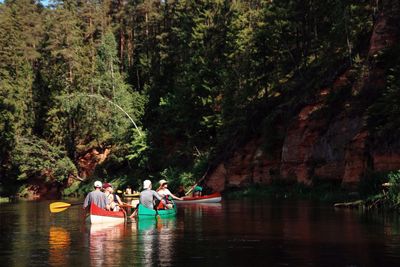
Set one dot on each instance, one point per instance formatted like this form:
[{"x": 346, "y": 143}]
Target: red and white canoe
[
  {"x": 213, "y": 198},
  {"x": 99, "y": 215}
]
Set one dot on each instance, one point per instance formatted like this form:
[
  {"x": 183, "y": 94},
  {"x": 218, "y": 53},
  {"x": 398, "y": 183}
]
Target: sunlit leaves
[{"x": 34, "y": 157}]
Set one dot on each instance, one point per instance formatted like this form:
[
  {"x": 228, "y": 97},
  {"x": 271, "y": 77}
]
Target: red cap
[{"x": 106, "y": 185}]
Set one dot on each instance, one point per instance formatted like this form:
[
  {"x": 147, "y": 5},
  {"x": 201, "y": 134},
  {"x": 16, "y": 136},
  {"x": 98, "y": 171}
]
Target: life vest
[{"x": 167, "y": 200}]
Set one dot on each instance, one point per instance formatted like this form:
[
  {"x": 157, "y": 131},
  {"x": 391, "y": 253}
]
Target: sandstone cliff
[{"x": 335, "y": 146}]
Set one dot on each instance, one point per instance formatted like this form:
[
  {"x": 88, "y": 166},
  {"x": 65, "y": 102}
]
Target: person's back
[
  {"x": 197, "y": 192},
  {"x": 147, "y": 195},
  {"x": 96, "y": 197},
  {"x": 146, "y": 198}
]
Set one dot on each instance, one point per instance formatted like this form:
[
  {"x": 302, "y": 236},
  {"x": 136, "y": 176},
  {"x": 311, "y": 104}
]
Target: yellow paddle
[{"x": 61, "y": 206}]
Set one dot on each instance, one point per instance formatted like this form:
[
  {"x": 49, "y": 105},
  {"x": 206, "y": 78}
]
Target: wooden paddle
[
  {"x": 61, "y": 206},
  {"x": 201, "y": 179}
]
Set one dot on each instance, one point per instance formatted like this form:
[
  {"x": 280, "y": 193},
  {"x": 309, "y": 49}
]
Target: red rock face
[
  {"x": 320, "y": 147},
  {"x": 384, "y": 162},
  {"x": 88, "y": 162},
  {"x": 384, "y": 33},
  {"x": 41, "y": 189},
  {"x": 355, "y": 160}
]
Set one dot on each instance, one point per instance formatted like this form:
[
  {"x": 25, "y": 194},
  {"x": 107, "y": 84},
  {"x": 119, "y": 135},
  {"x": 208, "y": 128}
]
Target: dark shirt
[{"x": 180, "y": 194}]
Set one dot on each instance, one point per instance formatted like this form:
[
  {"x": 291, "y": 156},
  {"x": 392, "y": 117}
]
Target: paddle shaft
[{"x": 201, "y": 179}]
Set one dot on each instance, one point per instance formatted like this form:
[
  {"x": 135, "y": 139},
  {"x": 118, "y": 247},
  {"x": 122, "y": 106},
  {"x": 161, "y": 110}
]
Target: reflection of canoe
[
  {"x": 144, "y": 212},
  {"x": 132, "y": 195},
  {"x": 108, "y": 228},
  {"x": 213, "y": 198},
  {"x": 105, "y": 244},
  {"x": 99, "y": 215},
  {"x": 152, "y": 223},
  {"x": 145, "y": 224}
]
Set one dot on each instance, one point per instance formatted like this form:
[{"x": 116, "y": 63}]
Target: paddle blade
[{"x": 59, "y": 206}]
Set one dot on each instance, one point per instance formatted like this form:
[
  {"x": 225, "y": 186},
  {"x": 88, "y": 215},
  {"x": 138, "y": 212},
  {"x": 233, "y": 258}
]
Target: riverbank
[
  {"x": 323, "y": 192},
  {"x": 378, "y": 191}
]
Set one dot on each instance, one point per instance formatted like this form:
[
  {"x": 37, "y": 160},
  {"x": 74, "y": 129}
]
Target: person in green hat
[{"x": 197, "y": 191}]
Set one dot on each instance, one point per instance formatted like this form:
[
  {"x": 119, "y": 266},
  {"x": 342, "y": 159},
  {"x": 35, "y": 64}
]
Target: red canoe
[
  {"x": 213, "y": 198},
  {"x": 99, "y": 215}
]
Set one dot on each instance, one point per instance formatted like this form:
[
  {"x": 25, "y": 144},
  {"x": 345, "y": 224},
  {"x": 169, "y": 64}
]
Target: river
[{"x": 231, "y": 233}]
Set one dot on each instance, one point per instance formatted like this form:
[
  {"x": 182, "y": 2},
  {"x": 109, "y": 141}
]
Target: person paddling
[
  {"x": 96, "y": 197},
  {"x": 164, "y": 192},
  {"x": 147, "y": 197},
  {"x": 198, "y": 190}
]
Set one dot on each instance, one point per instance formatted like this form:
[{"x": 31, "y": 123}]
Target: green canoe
[{"x": 144, "y": 212}]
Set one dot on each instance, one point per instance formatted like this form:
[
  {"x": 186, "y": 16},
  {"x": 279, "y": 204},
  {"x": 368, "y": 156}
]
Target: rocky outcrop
[
  {"x": 90, "y": 159},
  {"x": 41, "y": 189},
  {"x": 50, "y": 188},
  {"x": 319, "y": 146}
]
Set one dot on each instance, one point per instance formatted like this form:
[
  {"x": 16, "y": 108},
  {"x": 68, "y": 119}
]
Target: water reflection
[
  {"x": 157, "y": 238},
  {"x": 238, "y": 233},
  {"x": 59, "y": 244},
  {"x": 105, "y": 244}
]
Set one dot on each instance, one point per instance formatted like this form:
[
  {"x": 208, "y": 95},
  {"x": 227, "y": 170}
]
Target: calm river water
[{"x": 232, "y": 233}]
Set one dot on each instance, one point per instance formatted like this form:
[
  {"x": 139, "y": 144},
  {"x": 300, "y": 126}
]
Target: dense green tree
[
  {"x": 20, "y": 32},
  {"x": 197, "y": 77}
]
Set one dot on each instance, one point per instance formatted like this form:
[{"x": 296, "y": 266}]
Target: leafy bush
[
  {"x": 394, "y": 189},
  {"x": 34, "y": 157}
]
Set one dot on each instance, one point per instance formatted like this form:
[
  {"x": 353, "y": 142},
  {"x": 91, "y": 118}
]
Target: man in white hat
[
  {"x": 147, "y": 195},
  {"x": 96, "y": 197}
]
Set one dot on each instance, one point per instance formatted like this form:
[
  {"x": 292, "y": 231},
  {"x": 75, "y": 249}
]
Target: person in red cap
[{"x": 113, "y": 200}]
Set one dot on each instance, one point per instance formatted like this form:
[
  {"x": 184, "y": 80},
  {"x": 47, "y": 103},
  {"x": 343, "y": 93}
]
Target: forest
[{"x": 126, "y": 90}]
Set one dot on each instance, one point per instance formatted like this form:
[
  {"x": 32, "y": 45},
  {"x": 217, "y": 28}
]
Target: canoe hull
[
  {"x": 98, "y": 215},
  {"x": 144, "y": 212},
  {"x": 213, "y": 198}
]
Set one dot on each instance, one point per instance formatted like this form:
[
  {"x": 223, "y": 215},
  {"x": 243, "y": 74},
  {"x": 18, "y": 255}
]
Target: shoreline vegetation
[
  {"x": 382, "y": 191},
  {"x": 378, "y": 190},
  {"x": 323, "y": 192}
]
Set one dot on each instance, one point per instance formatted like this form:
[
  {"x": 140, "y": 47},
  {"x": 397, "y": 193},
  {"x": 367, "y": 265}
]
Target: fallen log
[{"x": 353, "y": 204}]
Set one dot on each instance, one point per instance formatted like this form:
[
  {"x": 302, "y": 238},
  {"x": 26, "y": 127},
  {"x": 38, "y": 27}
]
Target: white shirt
[{"x": 164, "y": 192}]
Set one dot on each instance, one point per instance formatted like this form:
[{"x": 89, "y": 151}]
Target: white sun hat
[
  {"x": 146, "y": 184},
  {"x": 98, "y": 184}
]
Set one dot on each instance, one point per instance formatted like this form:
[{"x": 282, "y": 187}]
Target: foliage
[
  {"x": 33, "y": 157},
  {"x": 197, "y": 77},
  {"x": 138, "y": 149},
  {"x": 394, "y": 188}
]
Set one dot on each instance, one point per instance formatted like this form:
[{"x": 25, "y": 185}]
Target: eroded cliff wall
[{"x": 319, "y": 143}]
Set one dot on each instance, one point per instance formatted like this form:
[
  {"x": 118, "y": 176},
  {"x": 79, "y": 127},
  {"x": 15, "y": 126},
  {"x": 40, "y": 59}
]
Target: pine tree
[{"x": 20, "y": 33}]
